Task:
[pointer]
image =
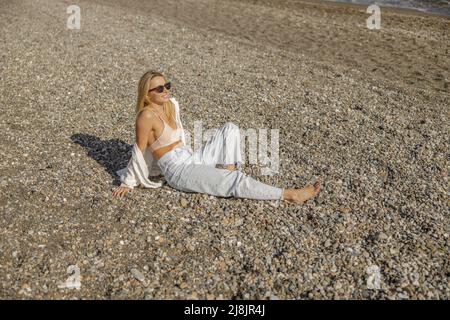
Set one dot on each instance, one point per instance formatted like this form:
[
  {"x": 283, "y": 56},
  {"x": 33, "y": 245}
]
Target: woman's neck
[{"x": 156, "y": 107}]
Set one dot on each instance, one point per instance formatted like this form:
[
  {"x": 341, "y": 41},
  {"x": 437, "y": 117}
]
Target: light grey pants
[{"x": 190, "y": 171}]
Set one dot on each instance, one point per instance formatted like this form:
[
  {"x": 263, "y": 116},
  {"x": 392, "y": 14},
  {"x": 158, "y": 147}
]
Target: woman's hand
[{"x": 121, "y": 191}]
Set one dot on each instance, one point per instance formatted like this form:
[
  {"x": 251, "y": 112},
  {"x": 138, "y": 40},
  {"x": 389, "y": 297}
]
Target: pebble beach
[{"x": 366, "y": 112}]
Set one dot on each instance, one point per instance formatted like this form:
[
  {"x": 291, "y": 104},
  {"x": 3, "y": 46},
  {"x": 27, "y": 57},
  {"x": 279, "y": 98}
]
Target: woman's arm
[{"x": 143, "y": 127}]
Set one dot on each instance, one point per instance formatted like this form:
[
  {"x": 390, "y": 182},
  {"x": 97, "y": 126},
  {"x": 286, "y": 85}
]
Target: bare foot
[{"x": 301, "y": 195}]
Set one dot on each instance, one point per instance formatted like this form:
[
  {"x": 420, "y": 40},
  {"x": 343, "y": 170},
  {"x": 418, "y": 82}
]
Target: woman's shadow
[{"x": 112, "y": 154}]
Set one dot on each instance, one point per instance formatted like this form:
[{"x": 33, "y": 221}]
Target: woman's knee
[
  {"x": 230, "y": 126},
  {"x": 231, "y": 129}
]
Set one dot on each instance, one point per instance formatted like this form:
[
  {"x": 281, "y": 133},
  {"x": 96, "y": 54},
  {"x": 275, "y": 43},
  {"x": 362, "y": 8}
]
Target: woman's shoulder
[
  {"x": 145, "y": 116},
  {"x": 174, "y": 101},
  {"x": 175, "y": 104}
]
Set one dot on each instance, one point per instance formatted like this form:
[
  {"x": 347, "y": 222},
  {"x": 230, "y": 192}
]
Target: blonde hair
[{"x": 142, "y": 99}]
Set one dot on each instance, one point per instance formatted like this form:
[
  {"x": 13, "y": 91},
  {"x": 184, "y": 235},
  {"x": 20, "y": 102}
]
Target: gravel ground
[{"x": 365, "y": 112}]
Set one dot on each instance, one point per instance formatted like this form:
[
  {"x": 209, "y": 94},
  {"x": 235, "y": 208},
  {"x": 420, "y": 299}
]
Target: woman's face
[{"x": 154, "y": 95}]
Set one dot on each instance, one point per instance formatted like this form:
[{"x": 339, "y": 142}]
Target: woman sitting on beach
[{"x": 160, "y": 135}]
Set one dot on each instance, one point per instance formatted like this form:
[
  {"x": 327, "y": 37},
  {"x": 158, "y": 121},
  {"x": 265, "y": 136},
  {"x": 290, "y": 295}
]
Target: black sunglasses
[{"x": 160, "y": 89}]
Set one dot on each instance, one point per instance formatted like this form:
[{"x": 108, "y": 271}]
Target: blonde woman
[{"x": 161, "y": 148}]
